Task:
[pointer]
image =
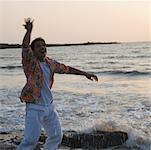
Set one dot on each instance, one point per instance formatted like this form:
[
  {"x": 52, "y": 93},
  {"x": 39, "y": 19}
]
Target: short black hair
[{"x": 35, "y": 40}]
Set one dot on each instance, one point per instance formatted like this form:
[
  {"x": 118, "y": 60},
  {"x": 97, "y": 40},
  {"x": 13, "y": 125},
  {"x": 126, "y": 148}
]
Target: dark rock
[
  {"x": 42, "y": 138},
  {"x": 72, "y": 139},
  {"x": 94, "y": 140},
  {"x": 7, "y": 146}
]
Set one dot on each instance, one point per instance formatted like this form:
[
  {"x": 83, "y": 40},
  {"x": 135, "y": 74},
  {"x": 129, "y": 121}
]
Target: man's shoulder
[
  {"x": 27, "y": 50},
  {"x": 51, "y": 60}
]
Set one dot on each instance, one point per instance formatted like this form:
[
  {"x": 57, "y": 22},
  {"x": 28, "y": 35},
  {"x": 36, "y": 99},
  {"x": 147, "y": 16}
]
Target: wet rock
[
  {"x": 71, "y": 139},
  {"x": 7, "y": 146},
  {"x": 95, "y": 140}
]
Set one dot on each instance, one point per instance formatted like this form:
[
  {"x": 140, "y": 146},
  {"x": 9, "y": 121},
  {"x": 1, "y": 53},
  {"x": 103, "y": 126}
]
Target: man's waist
[{"x": 39, "y": 106}]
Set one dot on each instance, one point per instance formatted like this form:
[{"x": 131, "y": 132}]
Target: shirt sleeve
[
  {"x": 27, "y": 56},
  {"x": 60, "y": 68}
]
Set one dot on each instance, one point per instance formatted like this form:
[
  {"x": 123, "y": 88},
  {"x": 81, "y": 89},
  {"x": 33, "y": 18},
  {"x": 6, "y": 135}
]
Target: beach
[{"x": 119, "y": 101}]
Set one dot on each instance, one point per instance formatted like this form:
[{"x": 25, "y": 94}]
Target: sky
[{"x": 67, "y": 21}]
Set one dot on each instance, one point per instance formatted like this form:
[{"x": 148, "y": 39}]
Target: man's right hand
[{"x": 28, "y": 24}]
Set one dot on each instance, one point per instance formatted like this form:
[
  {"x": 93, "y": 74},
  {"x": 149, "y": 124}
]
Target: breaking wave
[
  {"x": 110, "y": 72},
  {"x": 129, "y": 73},
  {"x": 136, "y": 139}
]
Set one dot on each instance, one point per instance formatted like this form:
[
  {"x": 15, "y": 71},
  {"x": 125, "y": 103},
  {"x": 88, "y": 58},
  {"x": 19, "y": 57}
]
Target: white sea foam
[
  {"x": 136, "y": 139},
  {"x": 120, "y": 100}
]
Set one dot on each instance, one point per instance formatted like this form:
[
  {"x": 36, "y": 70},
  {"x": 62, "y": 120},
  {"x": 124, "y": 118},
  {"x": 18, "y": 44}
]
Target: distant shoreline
[{"x": 4, "y": 45}]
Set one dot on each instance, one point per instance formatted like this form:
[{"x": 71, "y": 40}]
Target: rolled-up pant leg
[
  {"x": 31, "y": 132},
  {"x": 52, "y": 127}
]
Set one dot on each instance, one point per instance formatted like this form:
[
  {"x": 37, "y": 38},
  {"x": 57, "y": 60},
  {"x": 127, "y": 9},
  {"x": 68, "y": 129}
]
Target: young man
[{"x": 39, "y": 71}]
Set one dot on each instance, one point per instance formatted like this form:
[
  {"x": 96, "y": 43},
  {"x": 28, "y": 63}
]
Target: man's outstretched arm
[
  {"x": 89, "y": 76},
  {"x": 63, "y": 69}
]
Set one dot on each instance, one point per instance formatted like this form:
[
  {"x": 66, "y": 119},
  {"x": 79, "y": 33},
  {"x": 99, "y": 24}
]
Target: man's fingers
[
  {"x": 28, "y": 20},
  {"x": 24, "y": 26},
  {"x": 95, "y": 78},
  {"x": 92, "y": 77},
  {"x": 32, "y": 21}
]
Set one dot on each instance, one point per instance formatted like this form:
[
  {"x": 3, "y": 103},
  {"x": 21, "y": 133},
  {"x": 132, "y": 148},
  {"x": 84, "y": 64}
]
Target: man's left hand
[{"x": 91, "y": 77}]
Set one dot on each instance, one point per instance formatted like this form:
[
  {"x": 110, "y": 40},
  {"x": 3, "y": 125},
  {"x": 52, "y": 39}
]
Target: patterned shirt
[{"x": 34, "y": 75}]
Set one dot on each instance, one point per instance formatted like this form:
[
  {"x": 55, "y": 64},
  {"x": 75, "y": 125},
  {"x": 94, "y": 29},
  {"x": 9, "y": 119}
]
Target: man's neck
[{"x": 41, "y": 59}]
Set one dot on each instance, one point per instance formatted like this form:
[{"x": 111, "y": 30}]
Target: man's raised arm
[
  {"x": 27, "y": 53},
  {"x": 28, "y": 26}
]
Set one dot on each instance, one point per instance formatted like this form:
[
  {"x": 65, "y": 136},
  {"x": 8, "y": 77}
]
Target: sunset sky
[{"x": 68, "y": 21}]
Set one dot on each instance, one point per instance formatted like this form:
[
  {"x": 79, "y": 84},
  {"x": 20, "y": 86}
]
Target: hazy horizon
[
  {"x": 77, "y": 21},
  {"x": 84, "y": 42}
]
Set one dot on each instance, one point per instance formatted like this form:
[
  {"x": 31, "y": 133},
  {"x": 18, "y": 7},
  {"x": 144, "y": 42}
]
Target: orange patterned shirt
[{"x": 32, "y": 89}]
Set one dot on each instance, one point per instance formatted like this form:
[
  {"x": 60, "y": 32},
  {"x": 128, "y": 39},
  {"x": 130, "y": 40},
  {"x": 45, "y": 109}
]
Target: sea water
[{"x": 119, "y": 101}]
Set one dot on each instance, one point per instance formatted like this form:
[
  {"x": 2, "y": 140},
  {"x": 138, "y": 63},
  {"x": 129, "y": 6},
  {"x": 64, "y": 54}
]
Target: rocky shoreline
[
  {"x": 71, "y": 140},
  {"x": 5, "y": 45}
]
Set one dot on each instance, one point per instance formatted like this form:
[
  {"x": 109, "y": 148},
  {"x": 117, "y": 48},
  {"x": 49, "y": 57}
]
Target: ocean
[{"x": 120, "y": 100}]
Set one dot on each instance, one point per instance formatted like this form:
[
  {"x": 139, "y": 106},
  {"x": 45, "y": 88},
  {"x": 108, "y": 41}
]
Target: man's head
[{"x": 38, "y": 46}]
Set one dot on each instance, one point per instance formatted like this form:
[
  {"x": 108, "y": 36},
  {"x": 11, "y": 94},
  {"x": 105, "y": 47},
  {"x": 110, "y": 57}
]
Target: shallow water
[{"x": 121, "y": 100}]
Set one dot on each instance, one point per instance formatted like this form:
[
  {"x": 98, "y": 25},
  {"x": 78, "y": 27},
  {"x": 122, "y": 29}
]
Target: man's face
[{"x": 40, "y": 50}]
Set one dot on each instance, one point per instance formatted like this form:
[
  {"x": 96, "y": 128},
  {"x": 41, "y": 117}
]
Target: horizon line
[{"x": 82, "y": 42}]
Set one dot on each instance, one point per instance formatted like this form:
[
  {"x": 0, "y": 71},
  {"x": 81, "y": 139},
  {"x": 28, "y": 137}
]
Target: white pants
[{"x": 35, "y": 119}]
